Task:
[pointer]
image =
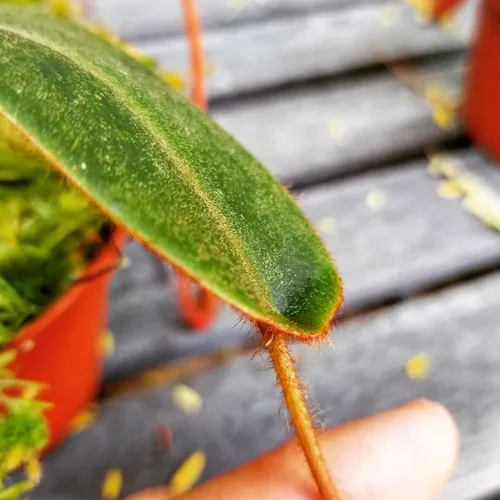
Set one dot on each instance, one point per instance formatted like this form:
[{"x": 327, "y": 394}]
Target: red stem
[
  {"x": 199, "y": 310},
  {"x": 192, "y": 27}
]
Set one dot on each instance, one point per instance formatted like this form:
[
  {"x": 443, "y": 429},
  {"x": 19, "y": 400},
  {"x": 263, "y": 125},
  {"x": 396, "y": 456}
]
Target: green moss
[
  {"x": 47, "y": 233},
  {"x": 23, "y": 427}
]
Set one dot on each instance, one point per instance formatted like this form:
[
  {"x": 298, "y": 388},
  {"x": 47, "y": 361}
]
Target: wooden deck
[{"x": 304, "y": 84}]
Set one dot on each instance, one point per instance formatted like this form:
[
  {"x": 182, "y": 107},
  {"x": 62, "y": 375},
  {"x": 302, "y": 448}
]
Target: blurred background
[{"x": 353, "y": 105}]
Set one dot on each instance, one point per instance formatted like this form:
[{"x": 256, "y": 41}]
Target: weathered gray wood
[
  {"x": 150, "y": 18},
  {"x": 458, "y": 328},
  {"x": 263, "y": 55},
  {"x": 146, "y": 324},
  {"x": 325, "y": 129},
  {"x": 414, "y": 241}
]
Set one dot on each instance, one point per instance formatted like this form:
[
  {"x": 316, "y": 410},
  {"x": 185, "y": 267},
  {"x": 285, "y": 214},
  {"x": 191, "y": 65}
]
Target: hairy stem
[{"x": 277, "y": 346}]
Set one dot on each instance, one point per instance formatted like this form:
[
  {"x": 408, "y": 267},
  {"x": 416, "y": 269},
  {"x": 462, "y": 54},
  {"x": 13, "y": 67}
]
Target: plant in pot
[
  {"x": 481, "y": 108},
  {"x": 120, "y": 152}
]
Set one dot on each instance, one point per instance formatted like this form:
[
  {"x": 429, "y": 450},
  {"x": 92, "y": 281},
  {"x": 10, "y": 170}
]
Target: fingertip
[
  {"x": 440, "y": 443},
  {"x": 408, "y": 452}
]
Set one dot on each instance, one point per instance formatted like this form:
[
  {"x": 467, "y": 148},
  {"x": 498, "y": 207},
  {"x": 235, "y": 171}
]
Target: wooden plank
[
  {"x": 321, "y": 130},
  {"x": 146, "y": 324},
  {"x": 262, "y": 55},
  {"x": 150, "y": 18},
  {"x": 457, "y": 328},
  {"x": 413, "y": 241}
]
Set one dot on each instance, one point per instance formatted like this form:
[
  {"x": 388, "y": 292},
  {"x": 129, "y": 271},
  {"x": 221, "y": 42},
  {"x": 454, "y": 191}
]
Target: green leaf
[{"x": 155, "y": 163}]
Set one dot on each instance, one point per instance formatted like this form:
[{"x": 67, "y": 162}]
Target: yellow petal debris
[
  {"x": 441, "y": 164},
  {"x": 422, "y": 10},
  {"x": 188, "y": 474},
  {"x": 187, "y": 399},
  {"x": 443, "y": 116},
  {"x": 483, "y": 204},
  {"x": 417, "y": 366},
  {"x": 326, "y": 225},
  {"x": 388, "y": 17},
  {"x": 107, "y": 343},
  {"x": 442, "y": 103},
  {"x": 125, "y": 262},
  {"x": 175, "y": 80},
  {"x": 375, "y": 199},
  {"x": 433, "y": 92},
  {"x": 34, "y": 471},
  {"x": 447, "y": 22},
  {"x": 479, "y": 199},
  {"x": 336, "y": 129},
  {"x": 112, "y": 484},
  {"x": 83, "y": 420},
  {"x": 449, "y": 190}
]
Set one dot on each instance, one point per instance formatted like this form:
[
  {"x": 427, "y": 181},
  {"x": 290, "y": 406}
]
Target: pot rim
[{"x": 72, "y": 294}]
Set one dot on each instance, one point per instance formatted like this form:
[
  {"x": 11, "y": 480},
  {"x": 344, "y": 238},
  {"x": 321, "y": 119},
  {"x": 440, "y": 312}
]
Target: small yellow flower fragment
[
  {"x": 34, "y": 471},
  {"x": 417, "y": 366},
  {"x": 388, "y": 17},
  {"x": 375, "y": 199},
  {"x": 442, "y": 164},
  {"x": 175, "y": 80},
  {"x": 336, "y": 129},
  {"x": 112, "y": 484},
  {"x": 443, "y": 115},
  {"x": 442, "y": 104},
  {"x": 187, "y": 399},
  {"x": 326, "y": 225},
  {"x": 449, "y": 190},
  {"x": 83, "y": 420},
  {"x": 422, "y": 10},
  {"x": 107, "y": 343},
  {"x": 433, "y": 92},
  {"x": 447, "y": 22},
  {"x": 188, "y": 474}
]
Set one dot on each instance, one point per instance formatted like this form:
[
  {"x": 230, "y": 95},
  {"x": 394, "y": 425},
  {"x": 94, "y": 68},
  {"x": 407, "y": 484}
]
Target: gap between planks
[{"x": 172, "y": 372}]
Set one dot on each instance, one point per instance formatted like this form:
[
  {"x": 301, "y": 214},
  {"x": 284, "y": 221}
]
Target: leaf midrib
[{"x": 151, "y": 128}]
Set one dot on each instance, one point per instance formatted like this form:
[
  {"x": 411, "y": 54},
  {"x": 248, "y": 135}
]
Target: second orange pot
[{"x": 482, "y": 96}]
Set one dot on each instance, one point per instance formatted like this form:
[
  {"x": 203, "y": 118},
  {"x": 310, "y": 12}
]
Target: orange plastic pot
[
  {"x": 482, "y": 98},
  {"x": 62, "y": 349}
]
